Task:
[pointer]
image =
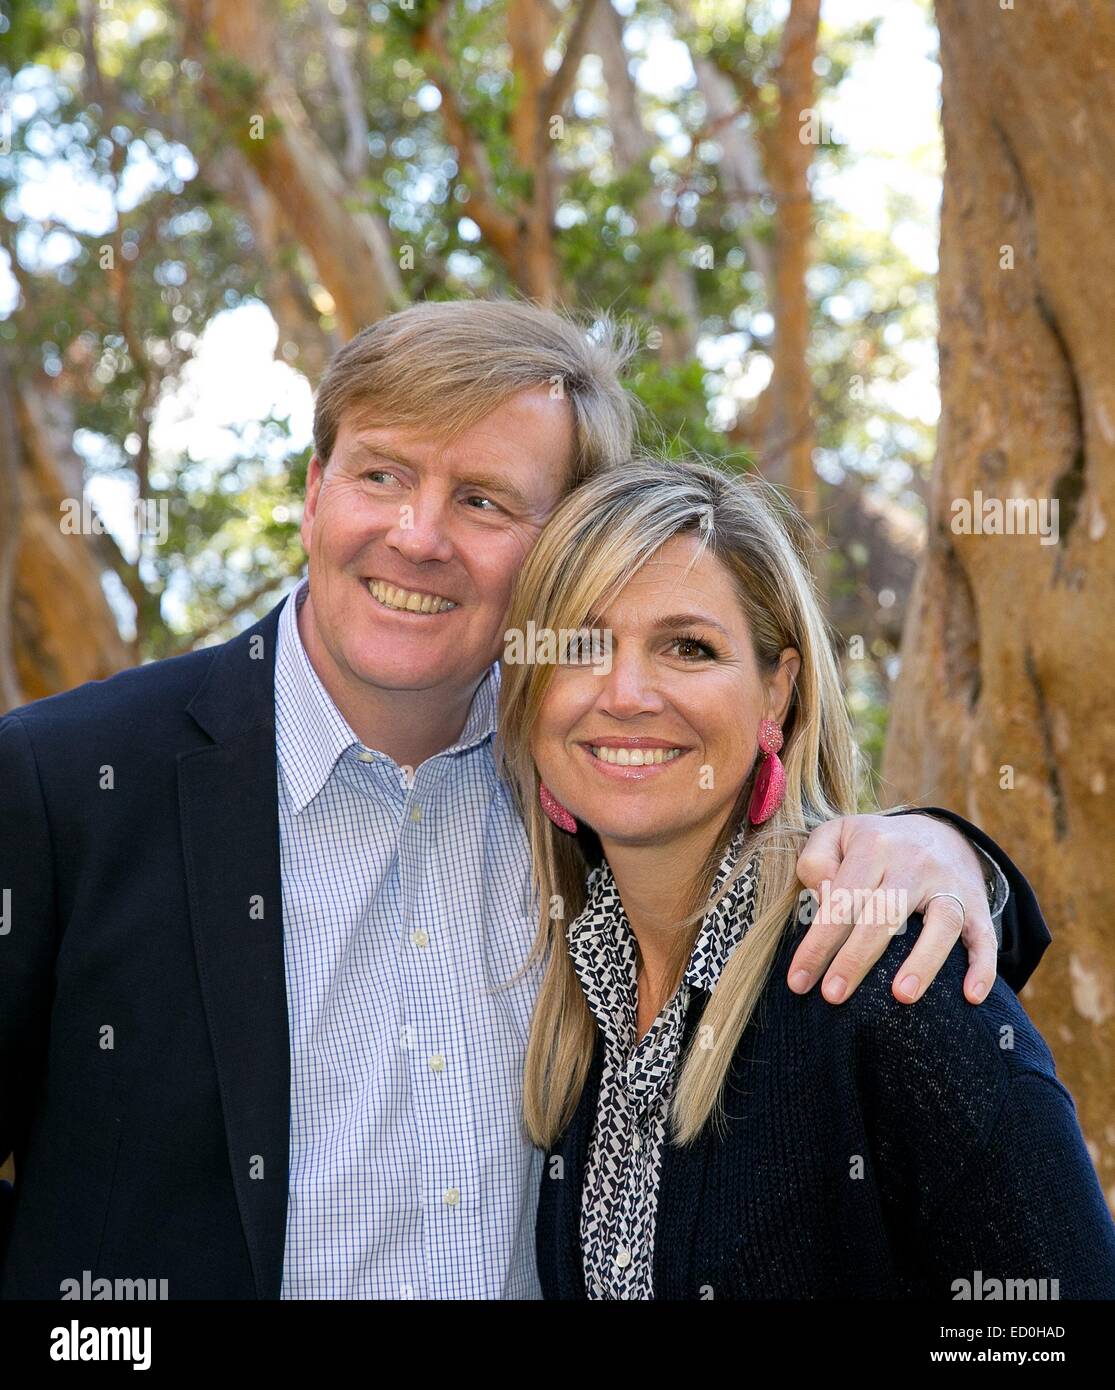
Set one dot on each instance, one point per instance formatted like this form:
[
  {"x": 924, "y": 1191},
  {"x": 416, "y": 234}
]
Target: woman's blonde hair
[{"x": 599, "y": 537}]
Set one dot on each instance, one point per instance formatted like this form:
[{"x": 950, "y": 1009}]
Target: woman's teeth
[
  {"x": 635, "y": 757},
  {"x": 393, "y": 597}
]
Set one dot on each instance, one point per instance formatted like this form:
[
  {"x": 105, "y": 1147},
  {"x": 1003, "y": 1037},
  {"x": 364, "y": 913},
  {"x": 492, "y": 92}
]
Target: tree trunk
[
  {"x": 1005, "y": 704},
  {"x": 349, "y": 246},
  {"x": 64, "y": 631},
  {"x": 11, "y": 690},
  {"x": 789, "y": 445}
]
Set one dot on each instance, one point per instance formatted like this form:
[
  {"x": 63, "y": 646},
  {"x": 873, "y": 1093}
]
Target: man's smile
[{"x": 399, "y": 600}]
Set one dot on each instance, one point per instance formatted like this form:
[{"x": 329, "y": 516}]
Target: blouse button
[
  {"x": 637, "y": 1142},
  {"x": 623, "y": 1259}
]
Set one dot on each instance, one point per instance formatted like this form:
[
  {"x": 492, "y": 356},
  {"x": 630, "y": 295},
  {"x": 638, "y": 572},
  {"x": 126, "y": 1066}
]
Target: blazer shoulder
[
  {"x": 135, "y": 694},
  {"x": 139, "y": 702}
]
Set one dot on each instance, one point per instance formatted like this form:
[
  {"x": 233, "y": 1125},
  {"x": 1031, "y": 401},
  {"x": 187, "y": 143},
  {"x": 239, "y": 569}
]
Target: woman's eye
[{"x": 690, "y": 649}]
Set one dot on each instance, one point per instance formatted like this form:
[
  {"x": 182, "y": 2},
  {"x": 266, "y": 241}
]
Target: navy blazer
[{"x": 144, "y": 1047}]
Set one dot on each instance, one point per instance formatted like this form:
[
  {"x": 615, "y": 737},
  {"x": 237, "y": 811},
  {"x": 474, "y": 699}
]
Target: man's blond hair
[{"x": 442, "y": 367}]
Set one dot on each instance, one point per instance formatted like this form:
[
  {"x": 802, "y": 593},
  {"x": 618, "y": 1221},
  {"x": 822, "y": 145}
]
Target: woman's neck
[{"x": 655, "y": 884}]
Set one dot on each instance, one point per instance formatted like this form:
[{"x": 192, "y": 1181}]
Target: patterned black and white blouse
[{"x": 620, "y": 1196}]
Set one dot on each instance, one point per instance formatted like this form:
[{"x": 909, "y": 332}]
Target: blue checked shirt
[{"x": 405, "y": 913}]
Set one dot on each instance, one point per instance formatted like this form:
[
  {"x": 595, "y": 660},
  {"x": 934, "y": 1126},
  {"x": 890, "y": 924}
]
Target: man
[{"x": 262, "y": 1011}]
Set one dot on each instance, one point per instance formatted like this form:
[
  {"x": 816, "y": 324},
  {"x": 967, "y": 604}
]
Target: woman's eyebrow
[{"x": 688, "y": 620}]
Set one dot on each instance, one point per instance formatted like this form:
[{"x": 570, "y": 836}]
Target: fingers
[
  {"x": 983, "y": 952},
  {"x": 942, "y": 923},
  {"x": 843, "y": 939},
  {"x": 820, "y": 858},
  {"x": 865, "y": 891}
]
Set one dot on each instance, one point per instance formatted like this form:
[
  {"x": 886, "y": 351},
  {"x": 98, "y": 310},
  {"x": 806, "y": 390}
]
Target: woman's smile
[{"x": 632, "y": 759}]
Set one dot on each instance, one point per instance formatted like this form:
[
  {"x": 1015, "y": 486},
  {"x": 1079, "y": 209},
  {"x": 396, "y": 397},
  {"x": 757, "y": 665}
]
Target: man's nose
[{"x": 421, "y": 531}]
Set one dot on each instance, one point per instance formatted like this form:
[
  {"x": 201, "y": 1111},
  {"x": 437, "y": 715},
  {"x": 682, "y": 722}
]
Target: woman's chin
[{"x": 620, "y": 829}]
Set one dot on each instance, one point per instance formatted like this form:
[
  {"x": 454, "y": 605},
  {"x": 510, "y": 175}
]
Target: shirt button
[
  {"x": 452, "y": 1196},
  {"x": 365, "y": 757},
  {"x": 637, "y": 1142},
  {"x": 437, "y": 1062},
  {"x": 623, "y": 1259},
  {"x": 421, "y": 937},
  {"x": 416, "y": 813}
]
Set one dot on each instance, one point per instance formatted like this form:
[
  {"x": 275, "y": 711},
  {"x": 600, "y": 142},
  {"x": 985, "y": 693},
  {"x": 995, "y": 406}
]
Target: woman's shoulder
[
  {"x": 934, "y": 1081},
  {"x": 950, "y": 1041}
]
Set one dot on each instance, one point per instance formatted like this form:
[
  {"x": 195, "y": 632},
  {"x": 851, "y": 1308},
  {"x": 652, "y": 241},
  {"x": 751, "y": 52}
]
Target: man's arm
[
  {"x": 1021, "y": 928},
  {"x": 855, "y": 863},
  {"x": 27, "y": 943}
]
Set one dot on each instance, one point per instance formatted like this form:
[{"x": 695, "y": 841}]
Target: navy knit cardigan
[{"x": 869, "y": 1150}]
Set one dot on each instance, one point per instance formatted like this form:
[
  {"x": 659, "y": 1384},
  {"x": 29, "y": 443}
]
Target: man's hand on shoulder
[{"x": 869, "y": 873}]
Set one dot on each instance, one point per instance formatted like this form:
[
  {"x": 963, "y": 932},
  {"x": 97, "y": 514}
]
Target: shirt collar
[
  {"x": 310, "y": 730},
  {"x": 726, "y": 923}
]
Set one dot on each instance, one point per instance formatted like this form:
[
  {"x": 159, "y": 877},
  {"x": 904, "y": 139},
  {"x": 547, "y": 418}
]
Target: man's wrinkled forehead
[{"x": 505, "y": 447}]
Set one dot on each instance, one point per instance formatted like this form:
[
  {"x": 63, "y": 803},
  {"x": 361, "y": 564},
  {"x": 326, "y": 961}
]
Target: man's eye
[
  {"x": 379, "y": 475},
  {"x": 486, "y": 503}
]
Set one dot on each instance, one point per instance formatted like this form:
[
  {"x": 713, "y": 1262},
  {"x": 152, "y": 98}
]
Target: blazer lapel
[{"x": 228, "y": 802}]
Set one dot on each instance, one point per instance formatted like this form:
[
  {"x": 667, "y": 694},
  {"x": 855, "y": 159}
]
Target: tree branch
[
  {"x": 556, "y": 92},
  {"x": 499, "y": 226},
  {"x": 355, "y": 159},
  {"x": 242, "y": 605}
]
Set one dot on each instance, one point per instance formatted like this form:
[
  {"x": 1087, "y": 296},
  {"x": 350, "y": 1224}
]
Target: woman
[{"x": 710, "y": 1133}]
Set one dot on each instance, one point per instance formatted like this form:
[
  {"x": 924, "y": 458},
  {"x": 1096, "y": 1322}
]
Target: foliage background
[{"x": 138, "y": 209}]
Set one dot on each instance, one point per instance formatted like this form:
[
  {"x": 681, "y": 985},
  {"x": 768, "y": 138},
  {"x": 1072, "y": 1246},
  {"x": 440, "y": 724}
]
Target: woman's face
[{"x": 660, "y": 746}]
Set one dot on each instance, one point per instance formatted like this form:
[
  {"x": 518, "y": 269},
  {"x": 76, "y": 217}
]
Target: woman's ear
[{"x": 781, "y": 685}]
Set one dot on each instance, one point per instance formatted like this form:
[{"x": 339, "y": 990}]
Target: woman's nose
[{"x": 629, "y": 688}]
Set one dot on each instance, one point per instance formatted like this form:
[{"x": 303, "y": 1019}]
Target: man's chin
[{"x": 417, "y": 678}]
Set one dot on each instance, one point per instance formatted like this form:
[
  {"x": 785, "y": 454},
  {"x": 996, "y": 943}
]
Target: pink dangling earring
[
  {"x": 555, "y": 810},
  {"x": 770, "y": 784}
]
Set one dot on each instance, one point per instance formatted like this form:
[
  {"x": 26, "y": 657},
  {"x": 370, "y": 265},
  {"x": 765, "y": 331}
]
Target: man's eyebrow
[
  {"x": 366, "y": 450},
  {"x": 501, "y": 487},
  {"x": 482, "y": 482}
]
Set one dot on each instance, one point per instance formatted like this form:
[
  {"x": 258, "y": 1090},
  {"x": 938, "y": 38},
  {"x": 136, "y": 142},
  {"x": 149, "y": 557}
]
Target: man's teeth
[
  {"x": 635, "y": 757},
  {"x": 393, "y": 597}
]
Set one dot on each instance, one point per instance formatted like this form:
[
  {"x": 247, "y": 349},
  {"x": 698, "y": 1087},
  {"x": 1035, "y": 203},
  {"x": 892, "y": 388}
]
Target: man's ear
[
  {"x": 314, "y": 475},
  {"x": 781, "y": 687}
]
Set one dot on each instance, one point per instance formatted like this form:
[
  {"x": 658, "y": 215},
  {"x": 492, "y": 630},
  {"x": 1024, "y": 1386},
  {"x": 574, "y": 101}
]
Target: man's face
[{"x": 414, "y": 544}]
